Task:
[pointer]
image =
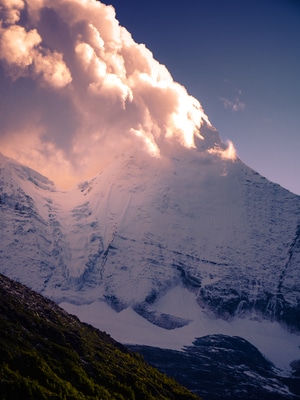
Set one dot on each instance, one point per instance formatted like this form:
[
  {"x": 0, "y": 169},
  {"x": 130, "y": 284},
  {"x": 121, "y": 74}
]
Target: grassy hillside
[{"x": 46, "y": 353}]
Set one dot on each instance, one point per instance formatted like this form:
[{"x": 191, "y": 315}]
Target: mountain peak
[{"x": 145, "y": 226}]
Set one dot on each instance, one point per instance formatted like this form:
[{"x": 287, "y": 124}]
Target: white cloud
[
  {"x": 10, "y": 11},
  {"x": 21, "y": 49},
  {"x": 107, "y": 92},
  {"x": 233, "y": 104},
  {"x": 17, "y": 47},
  {"x": 52, "y": 69},
  {"x": 228, "y": 153}
]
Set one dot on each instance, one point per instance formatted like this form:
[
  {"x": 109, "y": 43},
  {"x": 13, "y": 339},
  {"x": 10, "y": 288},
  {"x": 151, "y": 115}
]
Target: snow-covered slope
[{"x": 211, "y": 234}]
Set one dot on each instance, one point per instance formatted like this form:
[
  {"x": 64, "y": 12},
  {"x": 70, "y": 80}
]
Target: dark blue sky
[{"x": 241, "y": 60}]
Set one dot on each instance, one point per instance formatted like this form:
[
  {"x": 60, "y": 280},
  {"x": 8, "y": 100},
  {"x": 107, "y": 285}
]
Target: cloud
[
  {"x": 77, "y": 89},
  {"x": 18, "y": 48},
  {"x": 22, "y": 53},
  {"x": 10, "y": 11},
  {"x": 229, "y": 153},
  {"x": 236, "y": 104}
]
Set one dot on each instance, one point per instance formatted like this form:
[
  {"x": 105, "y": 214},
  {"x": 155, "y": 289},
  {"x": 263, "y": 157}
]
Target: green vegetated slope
[{"x": 45, "y": 353}]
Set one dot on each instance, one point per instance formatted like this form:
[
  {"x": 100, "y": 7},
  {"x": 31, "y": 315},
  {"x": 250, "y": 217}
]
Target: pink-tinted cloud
[
  {"x": 236, "y": 104},
  {"x": 11, "y": 10},
  {"x": 83, "y": 89}
]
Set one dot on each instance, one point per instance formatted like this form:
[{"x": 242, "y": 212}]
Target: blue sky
[{"x": 241, "y": 60}]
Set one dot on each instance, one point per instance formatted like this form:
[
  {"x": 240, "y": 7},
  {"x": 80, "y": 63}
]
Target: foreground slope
[{"x": 46, "y": 353}]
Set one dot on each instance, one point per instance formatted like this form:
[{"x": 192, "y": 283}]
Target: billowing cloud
[
  {"x": 76, "y": 89},
  {"x": 10, "y": 11},
  {"x": 22, "y": 53},
  {"x": 18, "y": 47}
]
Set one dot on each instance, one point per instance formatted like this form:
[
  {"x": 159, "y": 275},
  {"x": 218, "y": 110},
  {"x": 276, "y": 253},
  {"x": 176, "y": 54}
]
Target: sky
[
  {"x": 241, "y": 60},
  {"x": 77, "y": 88}
]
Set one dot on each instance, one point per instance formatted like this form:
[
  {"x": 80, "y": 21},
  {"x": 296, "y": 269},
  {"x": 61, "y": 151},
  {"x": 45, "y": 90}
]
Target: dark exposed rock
[{"x": 222, "y": 367}]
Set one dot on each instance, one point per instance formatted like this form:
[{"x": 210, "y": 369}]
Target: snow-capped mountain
[
  {"x": 160, "y": 250},
  {"x": 174, "y": 239}
]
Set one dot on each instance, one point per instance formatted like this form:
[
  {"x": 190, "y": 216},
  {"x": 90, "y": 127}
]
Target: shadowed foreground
[{"x": 46, "y": 353}]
